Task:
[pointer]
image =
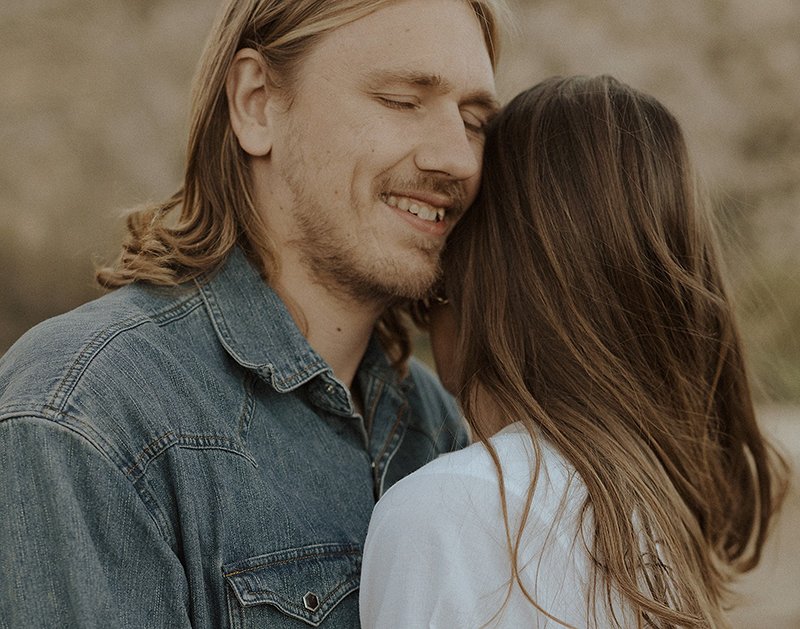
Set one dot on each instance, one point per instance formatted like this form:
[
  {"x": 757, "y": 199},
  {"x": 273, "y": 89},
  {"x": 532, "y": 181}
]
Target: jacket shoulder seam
[{"x": 95, "y": 345}]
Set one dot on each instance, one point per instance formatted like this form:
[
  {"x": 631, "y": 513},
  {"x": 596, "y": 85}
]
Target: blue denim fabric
[{"x": 182, "y": 457}]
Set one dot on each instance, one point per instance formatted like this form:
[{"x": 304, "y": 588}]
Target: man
[{"x": 203, "y": 447}]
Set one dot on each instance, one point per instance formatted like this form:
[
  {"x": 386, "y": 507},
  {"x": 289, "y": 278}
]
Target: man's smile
[{"x": 416, "y": 207}]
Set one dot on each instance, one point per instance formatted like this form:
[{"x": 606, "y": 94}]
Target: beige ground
[{"x": 771, "y": 594}]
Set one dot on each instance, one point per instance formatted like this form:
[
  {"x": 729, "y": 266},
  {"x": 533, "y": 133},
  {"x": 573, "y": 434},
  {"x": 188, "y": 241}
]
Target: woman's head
[
  {"x": 590, "y": 304},
  {"x": 586, "y": 245}
]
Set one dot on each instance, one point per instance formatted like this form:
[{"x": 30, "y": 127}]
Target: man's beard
[
  {"x": 356, "y": 269},
  {"x": 347, "y": 267}
]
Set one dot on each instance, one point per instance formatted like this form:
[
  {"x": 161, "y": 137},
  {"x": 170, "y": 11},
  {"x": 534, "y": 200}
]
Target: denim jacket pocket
[{"x": 304, "y": 583}]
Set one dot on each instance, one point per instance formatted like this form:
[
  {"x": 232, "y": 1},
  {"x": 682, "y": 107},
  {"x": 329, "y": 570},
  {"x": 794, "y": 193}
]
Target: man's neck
[{"x": 338, "y": 328}]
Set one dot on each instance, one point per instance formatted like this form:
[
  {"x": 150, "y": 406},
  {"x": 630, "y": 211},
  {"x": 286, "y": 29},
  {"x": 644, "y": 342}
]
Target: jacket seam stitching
[
  {"x": 291, "y": 560},
  {"x": 171, "y": 439},
  {"x": 101, "y": 339},
  {"x": 98, "y": 443}
]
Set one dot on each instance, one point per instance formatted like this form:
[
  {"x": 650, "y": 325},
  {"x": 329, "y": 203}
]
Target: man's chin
[
  {"x": 408, "y": 284},
  {"x": 416, "y": 283},
  {"x": 380, "y": 279}
]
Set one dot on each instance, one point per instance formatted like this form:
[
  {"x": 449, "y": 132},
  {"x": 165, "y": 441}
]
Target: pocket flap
[{"x": 305, "y": 582}]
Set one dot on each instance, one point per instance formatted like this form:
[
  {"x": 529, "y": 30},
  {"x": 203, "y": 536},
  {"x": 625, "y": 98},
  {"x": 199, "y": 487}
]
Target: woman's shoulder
[
  {"x": 454, "y": 477},
  {"x": 440, "y": 533},
  {"x": 469, "y": 478},
  {"x": 470, "y": 470},
  {"x": 518, "y": 456}
]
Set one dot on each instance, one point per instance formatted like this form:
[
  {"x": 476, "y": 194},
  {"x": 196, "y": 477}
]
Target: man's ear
[{"x": 249, "y": 92}]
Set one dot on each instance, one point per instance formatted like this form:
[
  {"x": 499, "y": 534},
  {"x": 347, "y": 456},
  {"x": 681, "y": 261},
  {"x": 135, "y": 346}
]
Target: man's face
[{"x": 378, "y": 153}]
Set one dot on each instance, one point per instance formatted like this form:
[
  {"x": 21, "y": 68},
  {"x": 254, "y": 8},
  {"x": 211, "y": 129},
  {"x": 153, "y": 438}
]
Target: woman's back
[{"x": 437, "y": 554}]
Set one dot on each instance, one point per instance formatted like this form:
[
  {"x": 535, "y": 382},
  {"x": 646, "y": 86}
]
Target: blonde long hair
[
  {"x": 189, "y": 234},
  {"x": 592, "y": 308}
]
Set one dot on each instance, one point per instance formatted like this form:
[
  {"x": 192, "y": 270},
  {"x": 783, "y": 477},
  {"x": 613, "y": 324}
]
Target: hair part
[
  {"x": 191, "y": 233},
  {"x": 606, "y": 327}
]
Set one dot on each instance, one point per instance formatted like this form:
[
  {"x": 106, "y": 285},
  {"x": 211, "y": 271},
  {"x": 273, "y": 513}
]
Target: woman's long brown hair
[{"x": 592, "y": 308}]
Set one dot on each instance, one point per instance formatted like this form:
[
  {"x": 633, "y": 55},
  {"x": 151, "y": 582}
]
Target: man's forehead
[{"x": 438, "y": 40}]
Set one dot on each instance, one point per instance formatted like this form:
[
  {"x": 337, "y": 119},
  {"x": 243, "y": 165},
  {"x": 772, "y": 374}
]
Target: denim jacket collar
[
  {"x": 258, "y": 332},
  {"x": 255, "y": 327}
]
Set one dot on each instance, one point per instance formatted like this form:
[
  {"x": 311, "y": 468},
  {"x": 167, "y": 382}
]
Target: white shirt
[{"x": 436, "y": 554}]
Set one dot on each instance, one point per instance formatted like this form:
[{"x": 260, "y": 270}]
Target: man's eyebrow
[{"x": 480, "y": 98}]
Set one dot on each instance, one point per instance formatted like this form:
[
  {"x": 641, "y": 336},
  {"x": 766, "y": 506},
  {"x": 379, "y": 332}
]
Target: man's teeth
[{"x": 421, "y": 210}]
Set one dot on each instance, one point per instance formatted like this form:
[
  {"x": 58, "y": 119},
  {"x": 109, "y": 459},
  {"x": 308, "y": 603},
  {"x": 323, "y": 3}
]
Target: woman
[{"x": 619, "y": 479}]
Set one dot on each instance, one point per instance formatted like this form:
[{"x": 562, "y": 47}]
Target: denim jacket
[{"x": 176, "y": 457}]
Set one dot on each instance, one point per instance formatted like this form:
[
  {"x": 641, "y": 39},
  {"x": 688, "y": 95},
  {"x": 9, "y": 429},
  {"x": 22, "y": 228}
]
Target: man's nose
[{"x": 446, "y": 147}]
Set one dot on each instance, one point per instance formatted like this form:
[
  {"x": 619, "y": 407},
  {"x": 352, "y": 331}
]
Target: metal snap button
[{"x": 311, "y": 601}]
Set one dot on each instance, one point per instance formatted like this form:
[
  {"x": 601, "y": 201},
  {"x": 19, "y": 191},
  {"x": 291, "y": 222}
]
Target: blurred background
[{"x": 93, "y": 119}]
